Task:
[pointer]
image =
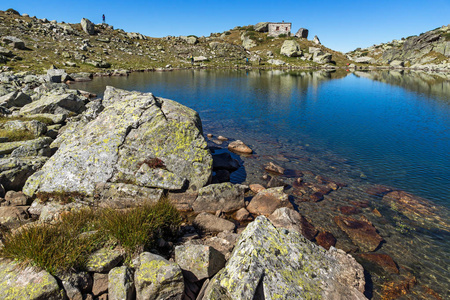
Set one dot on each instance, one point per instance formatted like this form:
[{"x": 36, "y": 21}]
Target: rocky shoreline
[{"x": 131, "y": 147}]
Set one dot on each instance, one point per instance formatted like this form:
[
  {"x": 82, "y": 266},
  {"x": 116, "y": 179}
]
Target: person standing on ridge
[{"x": 103, "y": 17}]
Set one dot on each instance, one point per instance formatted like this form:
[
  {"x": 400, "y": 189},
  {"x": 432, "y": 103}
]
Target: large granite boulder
[
  {"x": 262, "y": 27},
  {"x": 290, "y": 48},
  {"x": 271, "y": 263},
  {"x": 87, "y": 26},
  {"x": 157, "y": 278},
  {"x": 133, "y": 130},
  {"x": 302, "y": 33},
  {"x": 19, "y": 283}
]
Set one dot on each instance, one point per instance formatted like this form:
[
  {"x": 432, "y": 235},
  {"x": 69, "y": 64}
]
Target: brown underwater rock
[{"x": 362, "y": 233}]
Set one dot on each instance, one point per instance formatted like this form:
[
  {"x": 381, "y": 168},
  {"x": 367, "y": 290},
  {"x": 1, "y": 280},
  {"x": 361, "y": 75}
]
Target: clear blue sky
[{"x": 340, "y": 24}]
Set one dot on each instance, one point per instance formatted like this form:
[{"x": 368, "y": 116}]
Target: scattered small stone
[
  {"x": 349, "y": 210},
  {"x": 326, "y": 240},
  {"x": 211, "y": 223},
  {"x": 222, "y": 138},
  {"x": 256, "y": 188},
  {"x": 239, "y": 147}
]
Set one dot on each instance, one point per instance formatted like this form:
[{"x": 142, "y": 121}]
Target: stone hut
[{"x": 275, "y": 29}]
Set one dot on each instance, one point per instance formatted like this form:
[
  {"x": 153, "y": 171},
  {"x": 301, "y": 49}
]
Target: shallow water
[{"x": 363, "y": 129}]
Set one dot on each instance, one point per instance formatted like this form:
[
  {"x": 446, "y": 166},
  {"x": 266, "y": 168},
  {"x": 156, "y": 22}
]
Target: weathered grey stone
[
  {"x": 80, "y": 280},
  {"x": 103, "y": 260},
  {"x": 56, "y": 75},
  {"x": 157, "y": 278},
  {"x": 365, "y": 60},
  {"x": 37, "y": 147},
  {"x": 55, "y": 103},
  {"x": 56, "y": 118},
  {"x": 280, "y": 264},
  {"x": 198, "y": 261},
  {"x": 276, "y": 62},
  {"x": 290, "y": 48},
  {"x": 16, "y": 98},
  {"x": 72, "y": 292},
  {"x": 133, "y": 129},
  {"x": 200, "y": 58},
  {"x": 247, "y": 42},
  {"x": 302, "y": 33},
  {"x": 290, "y": 219},
  {"x": 211, "y": 223},
  {"x": 262, "y": 27},
  {"x": 316, "y": 40},
  {"x": 14, "y": 41},
  {"x": 397, "y": 64},
  {"x": 87, "y": 26},
  {"x": 122, "y": 195},
  {"x": 19, "y": 283},
  {"x": 322, "y": 58},
  {"x": 15, "y": 171},
  {"x": 121, "y": 284},
  {"x": 222, "y": 196},
  {"x": 6, "y": 52}
]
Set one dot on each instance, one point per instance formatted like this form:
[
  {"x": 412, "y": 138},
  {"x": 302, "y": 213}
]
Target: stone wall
[{"x": 275, "y": 29}]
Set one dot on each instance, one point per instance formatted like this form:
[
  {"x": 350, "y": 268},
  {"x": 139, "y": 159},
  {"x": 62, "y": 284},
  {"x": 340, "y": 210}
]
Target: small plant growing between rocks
[
  {"x": 153, "y": 163},
  {"x": 67, "y": 244},
  {"x": 61, "y": 197}
]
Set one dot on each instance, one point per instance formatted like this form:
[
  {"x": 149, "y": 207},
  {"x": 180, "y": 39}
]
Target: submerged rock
[
  {"x": 418, "y": 209},
  {"x": 134, "y": 129},
  {"x": 362, "y": 233},
  {"x": 270, "y": 263}
]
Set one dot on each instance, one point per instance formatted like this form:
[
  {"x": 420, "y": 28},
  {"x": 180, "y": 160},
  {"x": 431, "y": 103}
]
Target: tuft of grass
[
  {"x": 67, "y": 244},
  {"x": 16, "y": 135},
  {"x": 136, "y": 229},
  {"x": 55, "y": 248}
]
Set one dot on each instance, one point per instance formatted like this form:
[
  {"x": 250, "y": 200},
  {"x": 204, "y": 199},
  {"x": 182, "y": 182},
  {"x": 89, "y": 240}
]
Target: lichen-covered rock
[
  {"x": 121, "y": 284},
  {"x": 282, "y": 264},
  {"x": 55, "y": 103},
  {"x": 37, "y": 147},
  {"x": 290, "y": 48},
  {"x": 17, "y": 283},
  {"x": 133, "y": 129},
  {"x": 222, "y": 196},
  {"x": 123, "y": 195},
  {"x": 14, "y": 171},
  {"x": 16, "y": 98},
  {"x": 157, "y": 278},
  {"x": 290, "y": 219},
  {"x": 103, "y": 260},
  {"x": 199, "y": 261}
]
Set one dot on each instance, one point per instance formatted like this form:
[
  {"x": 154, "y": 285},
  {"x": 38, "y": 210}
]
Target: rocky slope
[
  {"x": 427, "y": 51},
  {"x": 28, "y": 43}
]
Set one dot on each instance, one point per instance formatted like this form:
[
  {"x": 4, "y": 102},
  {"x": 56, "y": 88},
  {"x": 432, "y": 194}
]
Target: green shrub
[
  {"x": 446, "y": 36},
  {"x": 67, "y": 244},
  {"x": 283, "y": 35},
  {"x": 250, "y": 28}
]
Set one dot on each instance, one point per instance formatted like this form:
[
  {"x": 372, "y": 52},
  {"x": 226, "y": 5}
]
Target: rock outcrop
[
  {"x": 271, "y": 263},
  {"x": 290, "y": 48},
  {"x": 138, "y": 139}
]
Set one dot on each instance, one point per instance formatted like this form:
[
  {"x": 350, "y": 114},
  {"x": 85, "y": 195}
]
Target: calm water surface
[
  {"x": 398, "y": 135},
  {"x": 361, "y": 128}
]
